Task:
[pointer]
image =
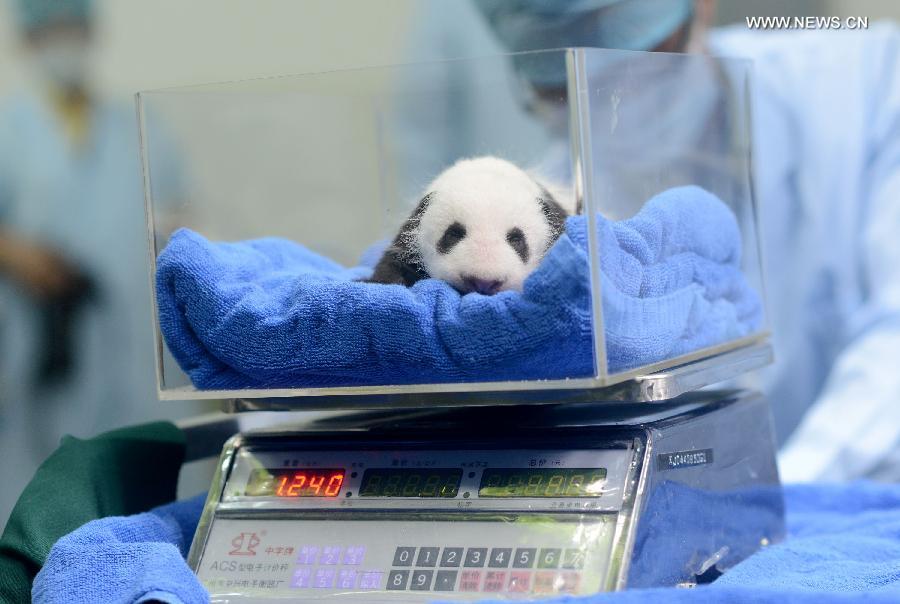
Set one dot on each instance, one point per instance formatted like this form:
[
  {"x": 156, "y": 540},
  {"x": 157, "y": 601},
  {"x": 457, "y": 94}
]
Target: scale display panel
[{"x": 519, "y": 479}]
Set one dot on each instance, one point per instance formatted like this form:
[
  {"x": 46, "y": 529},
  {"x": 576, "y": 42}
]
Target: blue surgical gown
[
  {"x": 87, "y": 204},
  {"x": 827, "y": 149}
]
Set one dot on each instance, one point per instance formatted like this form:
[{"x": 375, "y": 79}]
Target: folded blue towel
[
  {"x": 271, "y": 313},
  {"x": 125, "y": 559},
  {"x": 843, "y": 547}
]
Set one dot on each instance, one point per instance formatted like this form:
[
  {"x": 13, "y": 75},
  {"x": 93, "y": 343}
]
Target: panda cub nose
[{"x": 487, "y": 287}]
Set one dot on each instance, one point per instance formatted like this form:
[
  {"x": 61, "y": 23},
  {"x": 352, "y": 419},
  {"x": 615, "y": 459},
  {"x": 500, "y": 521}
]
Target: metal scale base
[{"x": 523, "y": 501}]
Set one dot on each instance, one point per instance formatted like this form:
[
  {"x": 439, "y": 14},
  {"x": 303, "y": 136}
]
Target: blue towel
[
  {"x": 752, "y": 515},
  {"x": 843, "y": 547},
  {"x": 125, "y": 559},
  {"x": 271, "y": 313}
]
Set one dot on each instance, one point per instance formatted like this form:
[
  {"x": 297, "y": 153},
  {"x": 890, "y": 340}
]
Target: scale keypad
[
  {"x": 529, "y": 569},
  {"x": 424, "y": 569},
  {"x": 425, "y": 560}
]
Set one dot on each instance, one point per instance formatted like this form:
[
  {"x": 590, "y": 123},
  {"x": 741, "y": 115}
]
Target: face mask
[
  {"x": 659, "y": 125},
  {"x": 64, "y": 63},
  {"x": 643, "y": 102},
  {"x": 652, "y": 103},
  {"x": 651, "y": 116},
  {"x": 541, "y": 24}
]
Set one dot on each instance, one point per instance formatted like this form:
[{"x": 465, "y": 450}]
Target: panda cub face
[
  {"x": 485, "y": 226},
  {"x": 482, "y": 226}
]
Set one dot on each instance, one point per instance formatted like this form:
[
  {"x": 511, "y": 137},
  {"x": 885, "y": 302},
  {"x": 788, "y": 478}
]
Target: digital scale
[
  {"x": 494, "y": 502},
  {"x": 579, "y": 448}
]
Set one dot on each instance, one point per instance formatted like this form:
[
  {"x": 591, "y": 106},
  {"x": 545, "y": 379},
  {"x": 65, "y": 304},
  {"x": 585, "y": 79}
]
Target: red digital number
[
  {"x": 310, "y": 484},
  {"x": 296, "y": 485},
  {"x": 316, "y": 482},
  {"x": 334, "y": 485},
  {"x": 281, "y": 482}
]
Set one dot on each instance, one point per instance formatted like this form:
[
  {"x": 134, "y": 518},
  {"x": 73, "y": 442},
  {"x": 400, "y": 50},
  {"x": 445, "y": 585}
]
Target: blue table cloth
[{"x": 843, "y": 546}]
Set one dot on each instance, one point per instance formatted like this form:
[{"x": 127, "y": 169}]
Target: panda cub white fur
[{"x": 482, "y": 226}]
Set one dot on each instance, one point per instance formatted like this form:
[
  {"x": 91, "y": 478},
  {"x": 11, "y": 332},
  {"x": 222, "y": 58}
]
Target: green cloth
[{"x": 118, "y": 473}]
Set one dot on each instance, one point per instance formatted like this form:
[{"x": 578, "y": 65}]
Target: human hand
[{"x": 42, "y": 272}]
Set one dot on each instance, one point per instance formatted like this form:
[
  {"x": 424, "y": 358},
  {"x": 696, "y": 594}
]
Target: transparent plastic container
[{"x": 657, "y": 265}]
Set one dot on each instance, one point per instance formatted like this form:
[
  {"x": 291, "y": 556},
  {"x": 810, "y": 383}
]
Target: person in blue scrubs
[
  {"x": 826, "y": 136},
  {"x": 75, "y": 319}
]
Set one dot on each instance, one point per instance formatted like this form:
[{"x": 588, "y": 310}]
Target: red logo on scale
[{"x": 244, "y": 545}]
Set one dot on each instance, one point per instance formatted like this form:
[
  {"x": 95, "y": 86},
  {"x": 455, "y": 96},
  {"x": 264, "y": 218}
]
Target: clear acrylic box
[{"x": 336, "y": 162}]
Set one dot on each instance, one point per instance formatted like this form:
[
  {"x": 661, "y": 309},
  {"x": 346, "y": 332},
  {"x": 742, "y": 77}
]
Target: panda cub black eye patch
[
  {"x": 516, "y": 239},
  {"x": 453, "y": 235}
]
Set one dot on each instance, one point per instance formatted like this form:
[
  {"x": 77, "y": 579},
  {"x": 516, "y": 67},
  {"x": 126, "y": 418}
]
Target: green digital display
[
  {"x": 418, "y": 482},
  {"x": 542, "y": 482}
]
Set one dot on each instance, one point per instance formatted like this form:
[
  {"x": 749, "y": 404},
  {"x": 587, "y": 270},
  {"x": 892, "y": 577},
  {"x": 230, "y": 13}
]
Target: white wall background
[{"x": 149, "y": 44}]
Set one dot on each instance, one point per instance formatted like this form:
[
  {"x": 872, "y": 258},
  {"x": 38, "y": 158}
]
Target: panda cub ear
[
  {"x": 554, "y": 213},
  {"x": 400, "y": 264}
]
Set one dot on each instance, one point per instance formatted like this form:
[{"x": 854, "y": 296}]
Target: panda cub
[{"x": 482, "y": 226}]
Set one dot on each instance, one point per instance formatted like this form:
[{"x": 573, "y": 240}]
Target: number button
[
  {"x": 353, "y": 555},
  {"x": 370, "y": 579},
  {"x": 475, "y": 557},
  {"x": 331, "y": 555},
  {"x": 428, "y": 556},
  {"x": 524, "y": 557},
  {"x": 549, "y": 558},
  {"x": 500, "y": 557},
  {"x": 308, "y": 554},
  {"x": 324, "y": 578},
  {"x": 301, "y": 577},
  {"x": 421, "y": 580},
  {"x": 346, "y": 579},
  {"x": 398, "y": 580},
  {"x": 445, "y": 580},
  {"x": 574, "y": 559},
  {"x": 452, "y": 557},
  {"x": 404, "y": 556}
]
